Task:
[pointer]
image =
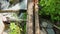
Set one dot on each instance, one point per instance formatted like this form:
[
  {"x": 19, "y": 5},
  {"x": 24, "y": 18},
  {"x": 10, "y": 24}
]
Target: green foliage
[
  {"x": 50, "y": 7},
  {"x": 14, "y": 29},
  {"x": 23, "y": 24},
  {"x": 23, "y": 16},
  {"x": 25, "y": 27}
]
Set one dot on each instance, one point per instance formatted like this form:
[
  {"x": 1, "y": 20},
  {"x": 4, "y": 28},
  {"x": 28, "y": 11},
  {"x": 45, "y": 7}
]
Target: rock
[
  {"x": 48, "y": 26},
  {"x": 5, "y": 33},
  {"x": 43, "y": 31},
  {"x": 2, "y": 26}
]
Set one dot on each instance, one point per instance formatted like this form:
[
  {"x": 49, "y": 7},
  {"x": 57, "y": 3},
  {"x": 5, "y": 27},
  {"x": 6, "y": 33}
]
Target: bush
[{"x": 51, "y": 8}]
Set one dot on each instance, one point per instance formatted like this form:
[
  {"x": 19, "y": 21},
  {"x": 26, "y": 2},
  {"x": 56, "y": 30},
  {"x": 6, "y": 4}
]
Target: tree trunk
[
  {"x": 37, "y": 28},
  {"x": 29, "y": 24}
]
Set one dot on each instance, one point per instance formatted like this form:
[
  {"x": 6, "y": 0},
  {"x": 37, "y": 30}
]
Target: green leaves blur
[
  {"x": 50, "y": 7},
  {"x": 21, "y": 28},
  {"x": 23, "y": 16},
  {"x": 14, "y": 29}
]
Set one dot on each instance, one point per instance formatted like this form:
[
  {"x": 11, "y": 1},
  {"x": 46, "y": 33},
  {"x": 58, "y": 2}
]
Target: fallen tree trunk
[
  {"x": 4, "y": 11},
  {"x": 37, "y": 27},
  {"x": 29, "y": 25}
]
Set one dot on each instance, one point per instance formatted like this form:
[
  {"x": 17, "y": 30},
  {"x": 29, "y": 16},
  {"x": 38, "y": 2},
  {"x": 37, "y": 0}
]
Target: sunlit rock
[{"x": 2, "y": 26}]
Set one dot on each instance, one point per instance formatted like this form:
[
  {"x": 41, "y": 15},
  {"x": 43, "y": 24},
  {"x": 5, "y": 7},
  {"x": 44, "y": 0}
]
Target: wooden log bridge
[{"x": 32, "y": 12}]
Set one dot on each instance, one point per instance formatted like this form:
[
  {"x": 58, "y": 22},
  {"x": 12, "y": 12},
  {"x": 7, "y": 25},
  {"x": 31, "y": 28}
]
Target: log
[
  {"x": 29, "y": 25},
  {"x": 37, "y": 27},
  {"x": 4, "y": 11}
]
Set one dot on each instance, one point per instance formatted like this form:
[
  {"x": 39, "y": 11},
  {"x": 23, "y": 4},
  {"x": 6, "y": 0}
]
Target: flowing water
[{"x": 21, "y": 5}]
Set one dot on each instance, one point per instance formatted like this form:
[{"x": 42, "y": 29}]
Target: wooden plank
[
  {"x": 29, "y": 24},
  {"x": 4, "y": 11},
  {"x": 37, "y": 27}
]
